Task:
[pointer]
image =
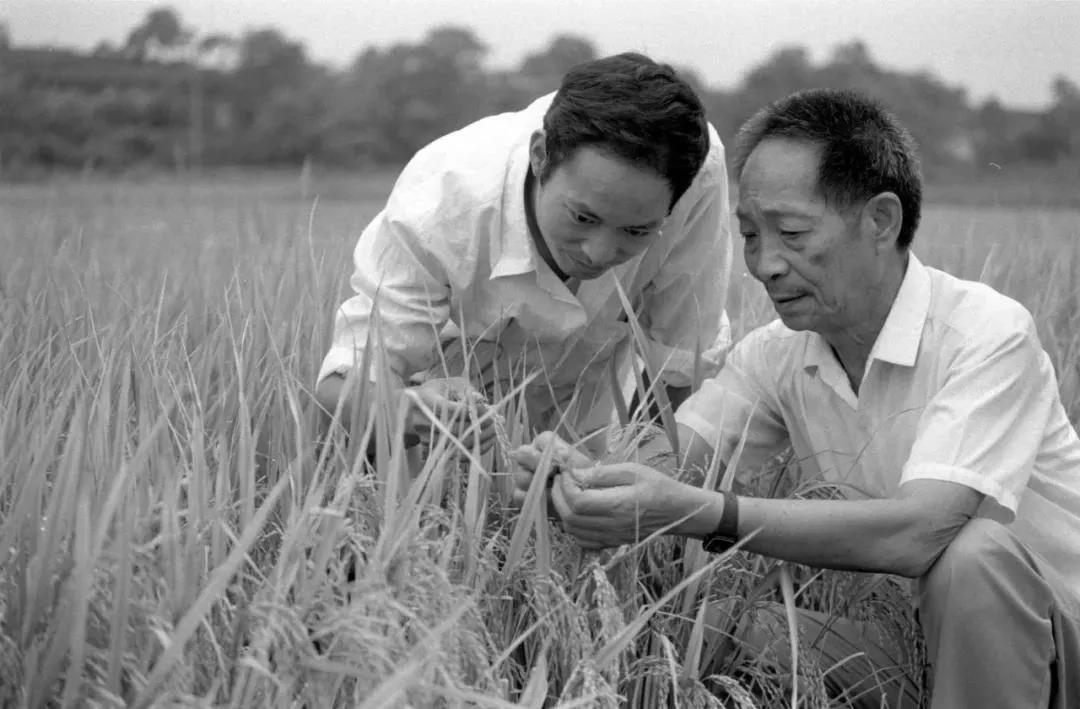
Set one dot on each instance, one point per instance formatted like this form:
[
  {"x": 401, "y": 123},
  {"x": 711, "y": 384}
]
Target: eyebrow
[
  {"x": 780, "y": 210},
  {"x": 584, "y": 209}
]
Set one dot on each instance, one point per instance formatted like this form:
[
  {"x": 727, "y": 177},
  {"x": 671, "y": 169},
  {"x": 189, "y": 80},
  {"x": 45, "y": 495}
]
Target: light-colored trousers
[{"x": 1001, "y": 628}]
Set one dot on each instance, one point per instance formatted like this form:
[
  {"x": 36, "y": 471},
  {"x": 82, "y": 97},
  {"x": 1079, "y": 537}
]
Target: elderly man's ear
[{"x": 882, "y": 217}]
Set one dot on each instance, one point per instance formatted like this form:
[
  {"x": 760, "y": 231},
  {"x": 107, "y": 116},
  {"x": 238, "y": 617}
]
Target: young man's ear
[
  {"x": 537, "y": 153},
  {"x": 882, "y": 218}
]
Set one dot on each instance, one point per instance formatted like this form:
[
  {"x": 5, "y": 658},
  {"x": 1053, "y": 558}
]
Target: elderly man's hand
[
  {"x": 622, "y": 503},
  {"x": 564, "y": 457}
]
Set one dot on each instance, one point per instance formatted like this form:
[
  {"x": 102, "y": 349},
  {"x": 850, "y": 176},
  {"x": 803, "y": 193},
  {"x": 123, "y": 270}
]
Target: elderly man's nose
[{"x": 768, "y": 261}]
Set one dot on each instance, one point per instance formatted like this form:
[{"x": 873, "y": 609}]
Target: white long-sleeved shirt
[{"x": 451, "y": 254}]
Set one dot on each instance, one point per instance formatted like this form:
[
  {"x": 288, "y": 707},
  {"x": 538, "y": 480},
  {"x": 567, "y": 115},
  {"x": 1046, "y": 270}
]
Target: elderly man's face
[
  {"x": 820, "y": 271},
  {"x": 596, "y": 210}
]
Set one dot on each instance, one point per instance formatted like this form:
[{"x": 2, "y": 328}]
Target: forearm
[
  {"x": 887, "y": 535},
  {"x": 328, "y": 394}
]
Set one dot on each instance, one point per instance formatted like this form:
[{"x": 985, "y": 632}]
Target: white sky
[{"x": 1010, "y": 48}]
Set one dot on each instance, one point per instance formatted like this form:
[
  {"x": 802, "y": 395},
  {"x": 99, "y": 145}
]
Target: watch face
[{"x": 717, "y": 543}]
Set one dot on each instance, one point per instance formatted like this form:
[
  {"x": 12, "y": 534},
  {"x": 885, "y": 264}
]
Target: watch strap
[{"x": 726, "y": 534}]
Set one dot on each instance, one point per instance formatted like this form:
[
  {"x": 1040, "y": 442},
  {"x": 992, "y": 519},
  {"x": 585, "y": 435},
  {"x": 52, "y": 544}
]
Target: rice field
[{"x": 173, "y": 534}]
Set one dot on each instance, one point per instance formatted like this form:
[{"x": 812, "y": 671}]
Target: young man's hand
[
  {"x": 564, "y": 457},
  {"x": 459, "y": 407}
]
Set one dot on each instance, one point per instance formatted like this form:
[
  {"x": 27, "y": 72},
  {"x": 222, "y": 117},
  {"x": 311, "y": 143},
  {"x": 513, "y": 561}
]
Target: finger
[
  {"x": 565, "y": 453},
  {"x": 595, "y": 533},
  {"x": 461, "y": 390},
  {"x": 545, "y": 439},
  {"x": 579, "y": 477},
  {"x": 440, "y": 424},
  {"x": 444, "y": 404},
  {"x": 560, "y": 448},
  {"x": 561, "y": 499},
  {"x": 600, "y": 505},
  {"x": 487, "y": 431},
  {"x": 483, "y": 437},
  {"x": 579, "y": 502},
  {"x": 522, "y": 479},
  {"x": 526, "y": 456},
  {"x": 606, "y": 476}
]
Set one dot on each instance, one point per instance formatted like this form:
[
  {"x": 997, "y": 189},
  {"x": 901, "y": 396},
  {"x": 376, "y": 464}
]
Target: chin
[{"x": 795, "y": 322}]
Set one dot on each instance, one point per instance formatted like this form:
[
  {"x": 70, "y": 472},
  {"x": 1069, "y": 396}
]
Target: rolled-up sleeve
[
  {"x": 683, "y": 308},
  {"x": 397, "y": 277},
  {"x": 984, "y": 427},
  {"x": 740, "y": 404}
]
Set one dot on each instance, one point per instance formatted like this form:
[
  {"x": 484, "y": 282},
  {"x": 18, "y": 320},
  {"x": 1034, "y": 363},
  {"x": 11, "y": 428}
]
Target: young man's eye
[
  {"x": 638, "y": 233},
  {"x": 791, "y": 233},
  {"x": 581, "y": 218}
]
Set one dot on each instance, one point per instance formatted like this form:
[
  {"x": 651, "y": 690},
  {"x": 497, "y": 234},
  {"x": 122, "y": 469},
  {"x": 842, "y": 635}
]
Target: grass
[{"x": 171, "y": 534}]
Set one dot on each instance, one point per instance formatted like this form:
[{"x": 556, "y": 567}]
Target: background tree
[
  {"x": 160, "y": 34},
  {"x": 1061, "y": 124},
  {"x": 545, "y": 68},
  {"x": 217, "y": 51},
  {"x": 171, "y": 97},
  {"x": 394, "y": 101},
  {"x": 276, "y": 98}
]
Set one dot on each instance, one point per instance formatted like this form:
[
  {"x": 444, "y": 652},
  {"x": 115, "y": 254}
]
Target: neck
[
  {"x": 853, "y": 345},
  {"x": 531, "y": 189}
]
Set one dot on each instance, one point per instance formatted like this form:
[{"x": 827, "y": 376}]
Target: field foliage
[{"x": 172, "y": 534}]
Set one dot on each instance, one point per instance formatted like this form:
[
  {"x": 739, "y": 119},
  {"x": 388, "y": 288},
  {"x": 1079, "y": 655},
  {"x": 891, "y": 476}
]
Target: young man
[
  {"x": 929, "y": 394},
  {"x": 513, "y": 232}
]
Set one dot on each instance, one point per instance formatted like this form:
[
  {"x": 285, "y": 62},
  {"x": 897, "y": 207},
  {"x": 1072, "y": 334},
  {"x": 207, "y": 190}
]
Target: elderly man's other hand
[{"x": 622, "y": 503}]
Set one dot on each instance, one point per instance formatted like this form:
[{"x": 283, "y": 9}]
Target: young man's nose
[{"x": 602, "y": 248}]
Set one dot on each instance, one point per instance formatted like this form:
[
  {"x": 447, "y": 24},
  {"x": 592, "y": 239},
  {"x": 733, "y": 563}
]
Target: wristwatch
[{"x": 726, "y": 534}]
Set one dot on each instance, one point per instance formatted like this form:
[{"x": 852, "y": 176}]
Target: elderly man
[
  {"x": 930, "y": 395},
  {"x": 502, "y": 246}
]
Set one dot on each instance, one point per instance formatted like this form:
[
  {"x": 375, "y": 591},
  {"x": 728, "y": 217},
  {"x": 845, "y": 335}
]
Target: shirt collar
[
  {"x": 512, "y": 252},
  {"x": 898, "y": 341}
]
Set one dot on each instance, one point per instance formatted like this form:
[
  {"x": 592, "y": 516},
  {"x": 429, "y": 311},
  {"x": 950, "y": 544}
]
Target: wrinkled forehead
[
  {"x": 780, "y": 175},
  {"x": 781, "y": 160}
]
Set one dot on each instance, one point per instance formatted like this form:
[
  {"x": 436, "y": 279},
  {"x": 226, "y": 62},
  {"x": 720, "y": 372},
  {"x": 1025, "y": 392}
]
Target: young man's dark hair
[
  {"x": 864, "y": 150},
  {"x": 634, "y": 107}
]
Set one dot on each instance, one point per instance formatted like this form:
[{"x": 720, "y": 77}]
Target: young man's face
[
  {"x": 596, "y": 210},
  {"x": 821, "y": 271}
]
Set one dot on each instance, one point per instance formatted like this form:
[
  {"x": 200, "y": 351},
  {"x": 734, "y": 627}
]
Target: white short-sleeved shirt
[
  {"x": 957, "y": 388},
  {"x": 451, "y": 252}
]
